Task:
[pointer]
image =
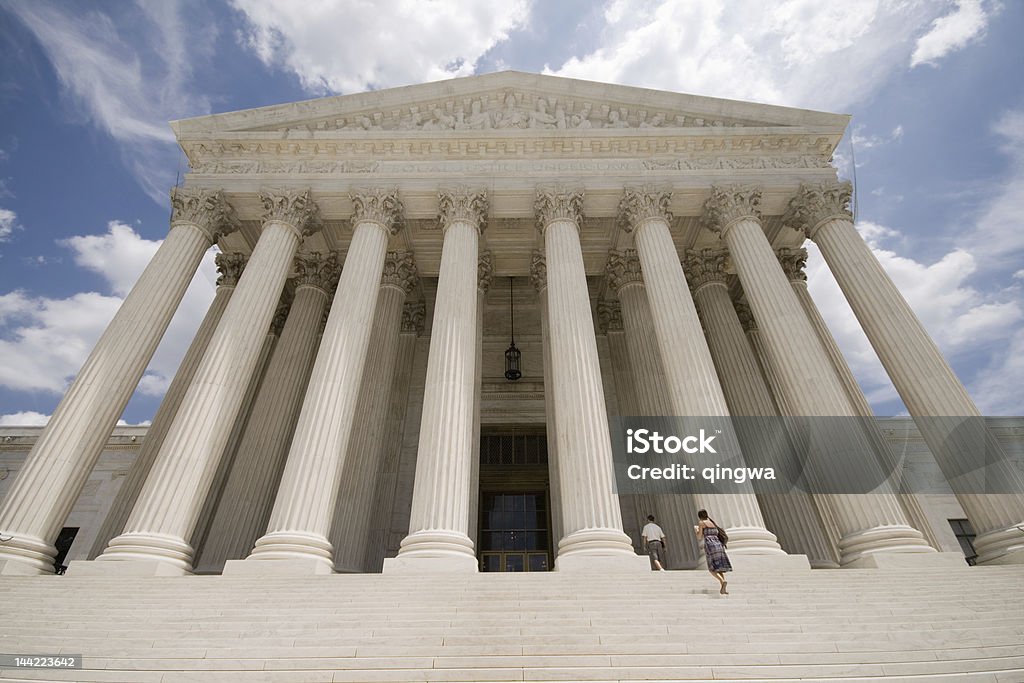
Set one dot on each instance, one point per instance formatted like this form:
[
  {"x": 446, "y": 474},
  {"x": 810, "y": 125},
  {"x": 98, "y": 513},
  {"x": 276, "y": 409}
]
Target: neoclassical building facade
[{"x": 344, "y": 407}]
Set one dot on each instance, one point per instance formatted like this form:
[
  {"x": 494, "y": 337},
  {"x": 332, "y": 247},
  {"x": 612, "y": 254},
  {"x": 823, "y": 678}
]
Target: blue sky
[{"x": 86, "y": 156}]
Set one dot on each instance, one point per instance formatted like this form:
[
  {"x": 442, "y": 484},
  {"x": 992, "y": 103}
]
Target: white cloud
[
  {"x": 784, "y": 52},
  {"x": 961, "y": 319},
  {"x": 25, "y": 418},
  {"x": 44, "y": 341},
  {"x": 127, "y": 87},
  {"x": 951, "y": 33},
  {"x": 8, "y": 224},
  {"x": 354, "y": 46}
]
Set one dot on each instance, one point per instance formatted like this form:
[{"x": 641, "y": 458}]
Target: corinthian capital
[
  {"x": 205, "y": 209},
  {"x": 413, "y": 315},
  {"x": 462, "y": 204},
  {"x": 745, "y": 315},
  {"x": 816, "y": 203},
  {"x": 727, "y": 205},
  {"x": 484, "y": 271},
  {"x": 609, "y": 316},
  {"x": 294, "y": 207},
  {"x": 705, "y": 266},
  {"x": 380, "y": 206},
  {"x": 230, "y": 267},
  {"x": 399, "y": 271},
  {"x": 315, "y": 270},
  {"x": 642, "y": 203},
  {"x": 538, "y": 271},
  {"x": 793, "y": 262},
  {"x": 557, "y": 204},
  {"x": 623, "y": 268}
]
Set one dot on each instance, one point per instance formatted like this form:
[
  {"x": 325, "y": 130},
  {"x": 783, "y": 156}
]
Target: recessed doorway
[{"x": 515, "y": 510}]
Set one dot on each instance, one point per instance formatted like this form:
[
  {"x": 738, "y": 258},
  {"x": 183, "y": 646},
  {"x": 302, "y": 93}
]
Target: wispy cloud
[
  {"x": 354, "y": 46},
  {"x": 128, "y": 77},
  {"x": 8, "y": 224},
  {"x": 951, "y": 32}
]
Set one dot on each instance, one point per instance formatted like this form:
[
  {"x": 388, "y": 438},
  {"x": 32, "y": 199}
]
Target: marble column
[
  {"x": 674, "y": 512},
  {"x": 539, "y": 279},
  {"x": 484, "y": 275},
  {"x": 590, "y": 511},
  {"x": 413, "y": 317},
  {"x": 158, "y": 532},
  {"x": 793, "y": 261},
  {"x": 792, "y": 516},
  {"x": 248, "y": 493},
  {"x": 353, "y": 509},
  {"x": 296, "y": 536},
  {"x": 923, "y": 378},
  {"x": 230, "y": 267},
  {"x": 869, "y": 524},
  {"x": 46, "y": 488},
  {"x": 693, "y": 386},
  {"x": 438, "y": 537}
]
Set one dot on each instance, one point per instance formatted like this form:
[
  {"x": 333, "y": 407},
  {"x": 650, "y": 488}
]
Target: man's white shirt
[{"x": 653, "y": 532}]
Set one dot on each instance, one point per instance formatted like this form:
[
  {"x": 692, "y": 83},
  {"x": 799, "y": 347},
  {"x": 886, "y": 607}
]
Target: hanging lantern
[{"x": 512, "y": 354}]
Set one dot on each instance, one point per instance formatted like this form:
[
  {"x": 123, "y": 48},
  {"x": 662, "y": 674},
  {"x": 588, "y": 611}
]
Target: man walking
[{"x": 654, "y": 540}]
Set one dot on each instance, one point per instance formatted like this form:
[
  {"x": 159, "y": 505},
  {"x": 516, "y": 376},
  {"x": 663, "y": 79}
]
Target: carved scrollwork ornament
[
  {"x": 205, "y": 209},
  {"x": 558, "y": 204},
  {"x": 280, "y": 317},
  {"x": 230, "y": 266},
  {"x": 705, "y": 266},
  {"x": 609, "y": 316},
  {"x": 639, "y": 204},
  {"x": 745, "y": 315},
  {"x": 399, "y": 271},
  {"x": 413, "y": 316},
  {"x": 816, "y": 203},
  {"x": 623, "y": 269},
  {"x": 793, "y": 262},
  {"x": 484, "y": 271},
  {"x": 462, "y": 204},
  {"x": 378, "y": 205},
  {"x": 292, "y": 207},
  {"x": 730, "y": 204},
  {"x": 317, "y": 270},
  {"x": 538, "y": 271}
]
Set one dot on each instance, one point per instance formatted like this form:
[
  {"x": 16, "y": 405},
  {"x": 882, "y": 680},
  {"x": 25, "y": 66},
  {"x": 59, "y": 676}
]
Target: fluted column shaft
[
  {"x": 792, "y": 517},
  {"x": 161, "y": 524},
  {"x": 591, "y": 516},
  {"x": 230, "y": 266},
  {"x": 248, "y": 494},
  {"x": 439, "y": 520},
  {"x": 303, "y": 508},
  {"x": 867, "y": 524},
  {"x": 59, "y": 464},
  {"x": 485, "y": 273},
  {"x": 694, "y": 389},
  {"x": 792, "y": 261},
  {"x": 539, "y": 278},
  {"x": 921, "y": 375},
  {"x": 354, "y": 507}
]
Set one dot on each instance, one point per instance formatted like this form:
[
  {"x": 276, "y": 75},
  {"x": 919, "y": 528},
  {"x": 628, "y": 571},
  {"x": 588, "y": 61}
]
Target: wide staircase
[{"x": 852, "y": 625}]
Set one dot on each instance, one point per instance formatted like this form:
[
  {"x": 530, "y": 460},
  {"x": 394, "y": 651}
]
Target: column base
[
  {"x": 293, "y": 566},
  {"x": 433, "y": 551},
  {"x": 124, "y": 568},
  {"x": 26, "y": 556},
  {"x": 287, "y": 546},
  {"x": 1005, "y": 546},
  {"x": 143, "y": 548},
  {"x": 897, "y": 539},
  {"x": 908, "y": 561}
]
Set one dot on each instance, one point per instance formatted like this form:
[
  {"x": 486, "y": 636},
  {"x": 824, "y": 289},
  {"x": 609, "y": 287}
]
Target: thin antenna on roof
[{"x": 853, "y": 163}]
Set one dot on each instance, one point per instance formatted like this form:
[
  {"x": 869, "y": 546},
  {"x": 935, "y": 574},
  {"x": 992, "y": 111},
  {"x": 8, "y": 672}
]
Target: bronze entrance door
[{"x": 514, "y": 529}]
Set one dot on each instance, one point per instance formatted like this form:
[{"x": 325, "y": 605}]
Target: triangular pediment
[{"x": 505, "y": 101}]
